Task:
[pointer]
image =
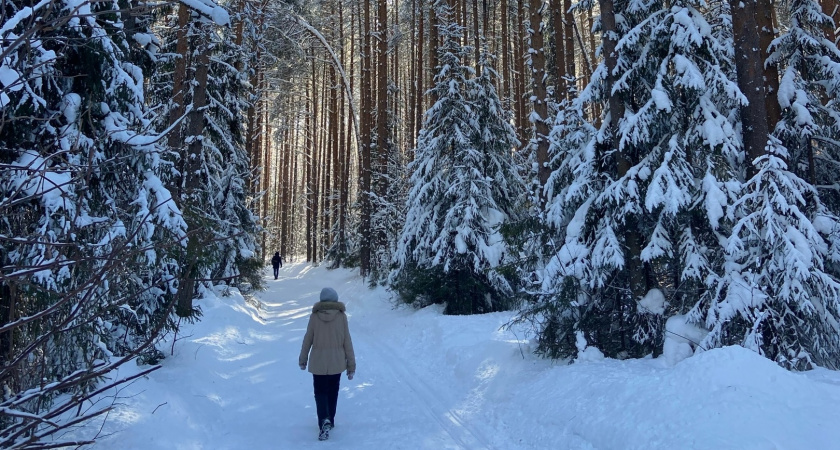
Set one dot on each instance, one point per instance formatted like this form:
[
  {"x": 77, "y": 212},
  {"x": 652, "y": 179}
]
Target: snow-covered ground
[{"x": 428, "y": 381}]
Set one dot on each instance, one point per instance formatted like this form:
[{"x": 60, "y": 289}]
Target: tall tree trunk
[
  {"x": 345, "y": 179},
  {"x": 341, "y": 149},
  {"x": 382, "y": 149},
  {"x": 317, "y": 160},
  {"x": 419, "y": 77},
  {"x": 476, "y": 36},
  {"x": 568, "y": 41},
  {"x": 365, "y": 169},
  {"x": 593, "y": 44},
  {"x": 749, "y": 65},
  {"x": 259, "y": 151},
  {"x": 239, "y": 30},
  {"x": 632, "y": 239},
  {"x": 309, "y": 151},
  {"x": 415, "y": 59},
  {"x": 296, "y": 189},
  {"x": 519, "y": 89},
  {"x": 831, "y": 8},
  {"x": 434, "y": 42},
  {"x": 559, "y": 50},
  {"x": 398, "y": 74},
  {"x": 485, "y": 25},
  {"x": 766, "y": 24},
  {"x": 191, "y": 176},
  {"x": 335, "y": 164},
  {"x": 179, "y": 77},
  {"x": 382, "y": 138},
  {"x": 287, "y": 186},
  {"x": 506, "y": 72},
  {"x": 539, "y": 94}
]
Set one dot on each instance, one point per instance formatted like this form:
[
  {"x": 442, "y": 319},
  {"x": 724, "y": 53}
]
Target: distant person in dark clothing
[{"x": 277, "y": 263}]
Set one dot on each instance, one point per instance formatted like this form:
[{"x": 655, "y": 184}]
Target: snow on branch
[{"x": 209, "y": 9}]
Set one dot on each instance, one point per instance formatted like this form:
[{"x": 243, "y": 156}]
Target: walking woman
[{"x": 329, "y": 350}]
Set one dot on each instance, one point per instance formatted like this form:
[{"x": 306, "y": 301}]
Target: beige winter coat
[{"x": 328, "y": 337}]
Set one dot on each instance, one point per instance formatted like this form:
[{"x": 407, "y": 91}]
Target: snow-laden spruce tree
[
  {"x": 387, "y": 217},
  {"x": 88, "y": 227},
  {"x": 225, "y": 198},
  {"x": 777, "y": 293},
  {"x": 556, "y": 278},
  {"x": 810, "y": 125},
  {"x": 637, "y": 204},
  {"x": 206, "y": 146},
  {"x": 773, "y": 294},
  {"x": 495, "y": 160},
  {"x": 451, "y": 242}
]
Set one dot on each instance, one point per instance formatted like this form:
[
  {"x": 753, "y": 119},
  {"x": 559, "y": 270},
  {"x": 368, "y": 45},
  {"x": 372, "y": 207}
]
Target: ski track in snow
[{"x": 426, "y": 396}]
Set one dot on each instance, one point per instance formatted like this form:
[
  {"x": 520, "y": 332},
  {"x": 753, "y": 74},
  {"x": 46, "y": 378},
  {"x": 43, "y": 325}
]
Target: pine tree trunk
[
  {"x": 365, "y": 169},
  {"x": 831, "y": 8},
  {"x": 420, "y": 76},
  {"x": 434, "y": 42},
  {"x": 476, "y": 37},
  {"x": 632, "y": 240},
  {"x": 464, "y": 21},
  {"x": 413, "y": 63},
  {"x": 345, "y": 178},
  {"x": 265, "y": 144},
  {"x": 179, "y": 77},
  {"x": 519, "y": 59},
  {"x": 399, "y": 73},
  {"x": 191, "y": 173},
  {"x": 382, "y": 137},
  {"x": 560, "y": 92},
  {"x": 295, "y": 191},
  {"x": 308, "y": 189},
  {"x": 259, "y": 150},
  {"x": 486, "y": 35},
  {"x": 286, "y": 180},
  {"x": 382, "y": 149},
  {"x": 239, "y": 33},
  {"x": 334, "y": 142},
  {"x": 251, "y": 136},
  {"x": 568, "y": 40},
  {"x": 766, "y": 24},
  {"x": 749, "y": 65},
  {"x": 506, "y": 72},
  {"x": 317, "y": 164},
  {"x": 539, "y": 94}
]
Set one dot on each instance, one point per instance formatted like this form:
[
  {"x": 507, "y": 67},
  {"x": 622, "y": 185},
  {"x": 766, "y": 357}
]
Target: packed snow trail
[
  {"x": 426, "y": 381},
  {"x": 244, "y": 389}
]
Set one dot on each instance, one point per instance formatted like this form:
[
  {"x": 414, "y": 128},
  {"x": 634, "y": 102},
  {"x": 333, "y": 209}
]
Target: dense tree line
[{"x": 679, "y": 164}]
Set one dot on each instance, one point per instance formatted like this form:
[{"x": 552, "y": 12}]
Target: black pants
[
  {"x": 276, "y": 272},
  {"x": 326, "y": 396}
]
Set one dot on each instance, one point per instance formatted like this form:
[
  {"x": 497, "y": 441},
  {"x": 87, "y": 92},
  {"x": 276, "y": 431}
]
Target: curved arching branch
[{"x": 337, "y": 63}]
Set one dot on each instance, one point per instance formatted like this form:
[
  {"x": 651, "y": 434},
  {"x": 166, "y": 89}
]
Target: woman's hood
[{"x": 327, "y": 311}]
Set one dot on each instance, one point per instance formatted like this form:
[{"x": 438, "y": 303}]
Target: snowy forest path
[
  {"x": 231, "y": 381},
  {"x": 389, "y": 404}
]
